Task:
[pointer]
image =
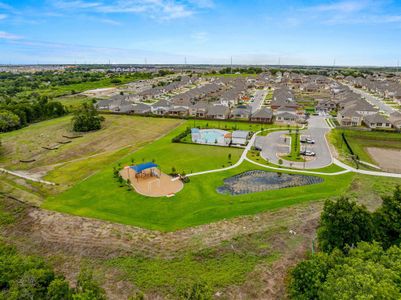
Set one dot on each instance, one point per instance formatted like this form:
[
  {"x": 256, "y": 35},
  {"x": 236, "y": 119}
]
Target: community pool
[
  {"x": 211, "y": 136},
  {"x": 259, "y": 181}
]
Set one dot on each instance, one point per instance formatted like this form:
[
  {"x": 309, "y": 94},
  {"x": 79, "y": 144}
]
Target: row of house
[
  {"x": 384, "y": 87},
  {"x": 353, "y": 110}
]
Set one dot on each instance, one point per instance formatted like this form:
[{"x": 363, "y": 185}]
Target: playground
[{"x": 148, "y": 180}]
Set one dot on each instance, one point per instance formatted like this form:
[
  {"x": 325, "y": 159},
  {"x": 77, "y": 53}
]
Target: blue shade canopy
[{"x": 139, "y": 168}]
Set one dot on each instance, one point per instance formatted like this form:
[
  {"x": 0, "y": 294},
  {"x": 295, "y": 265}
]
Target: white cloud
[
  {"x": 157, "y": 9},
  {"x": 9, "y": 36},
  {"x": 3, "y": 16}
]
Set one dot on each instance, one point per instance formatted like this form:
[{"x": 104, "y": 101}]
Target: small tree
[
  {"x": 280, "y": 161},
  {"x": 86, "y": 119}
]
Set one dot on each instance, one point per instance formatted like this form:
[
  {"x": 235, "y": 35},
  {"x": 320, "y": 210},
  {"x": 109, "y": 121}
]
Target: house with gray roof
[
  {"x": 376, "y": 121},
  {"x": 395, "y": 119},
  {"x": 241, "y": 112},
  {"x": 262, "y": 115},
  {"x": 218, "y": 111},
  {"x": 161, "y": 107}
]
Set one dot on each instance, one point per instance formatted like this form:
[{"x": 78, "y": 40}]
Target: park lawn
[
  {"x": 198, "y": 203},
  {"x": 360, "y": 140}
]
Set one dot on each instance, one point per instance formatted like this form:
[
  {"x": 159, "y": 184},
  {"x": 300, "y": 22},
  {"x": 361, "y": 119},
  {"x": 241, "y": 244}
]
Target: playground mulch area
[{"x": 152, "y": 186}]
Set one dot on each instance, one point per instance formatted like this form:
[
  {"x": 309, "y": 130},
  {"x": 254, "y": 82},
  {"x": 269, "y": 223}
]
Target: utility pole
[{"x": 231, "y": 64}]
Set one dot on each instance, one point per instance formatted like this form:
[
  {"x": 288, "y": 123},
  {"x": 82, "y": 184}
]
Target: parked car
[
  {"x": 308, "y": 141},
  {"x": 307, "y": 153}
]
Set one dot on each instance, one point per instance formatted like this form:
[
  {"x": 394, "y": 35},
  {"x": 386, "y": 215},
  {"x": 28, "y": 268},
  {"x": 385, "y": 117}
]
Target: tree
[
  {"x": 344, "y": 223},
  {"x": 59, "y": 289},
  {"x": 87, "y": 288},
  {"x": 388, "y": 220},
  {"x": 86, "y": 119},
  {"x": 8, "y": 121},
  {"x": 367, "y": 273},
  {"x": 309, "y": 275}
]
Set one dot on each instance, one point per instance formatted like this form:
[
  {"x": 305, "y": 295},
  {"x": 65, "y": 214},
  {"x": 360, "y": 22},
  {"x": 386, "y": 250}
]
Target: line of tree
[
  {"x": 30, "y": 277},
  {"x": 360, "y": 254},
  {"x": 15, "y": 114}
]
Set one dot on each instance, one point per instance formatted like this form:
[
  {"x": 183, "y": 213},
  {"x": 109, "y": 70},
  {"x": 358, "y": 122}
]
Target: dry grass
[{"x": 117, "y": 132}]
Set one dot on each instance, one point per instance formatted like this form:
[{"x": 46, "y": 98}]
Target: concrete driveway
[{"x": 275, "y": 143}]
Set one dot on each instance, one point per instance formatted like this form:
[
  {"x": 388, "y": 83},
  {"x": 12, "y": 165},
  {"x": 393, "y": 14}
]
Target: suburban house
[
  {"x": 283, "y": 97},
  {"x": 178, "y": 111},
  {"x": 199, "y": 109},
  {"x": 349, "y": 117},
  {"x": 376, "y": 121},
  {"x": 161, "y": 107},
  {"x": 141, "y": 109},
  {"x": 241, "y": 112},
  {"x": 326, "y": 106},
  {"x": 395, "y": 119},
  {"x": 240, "y": 137},
  {"x": 218, "y": 111},
  {"x": 262, "y": 115}
]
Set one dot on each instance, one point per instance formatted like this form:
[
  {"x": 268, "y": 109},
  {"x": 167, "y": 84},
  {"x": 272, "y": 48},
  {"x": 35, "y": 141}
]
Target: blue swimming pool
[{"x": 211, "y": 137}]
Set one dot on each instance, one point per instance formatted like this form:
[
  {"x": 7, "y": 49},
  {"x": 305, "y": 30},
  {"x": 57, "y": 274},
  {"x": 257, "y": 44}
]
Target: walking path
[{"x": 24, "y": 176}]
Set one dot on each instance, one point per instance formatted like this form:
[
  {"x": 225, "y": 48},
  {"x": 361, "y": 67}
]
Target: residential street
[
  {"x": 275, "y": 143},
  {"x": 374, "y": 100},
  {"x": 258, "y": 100}
]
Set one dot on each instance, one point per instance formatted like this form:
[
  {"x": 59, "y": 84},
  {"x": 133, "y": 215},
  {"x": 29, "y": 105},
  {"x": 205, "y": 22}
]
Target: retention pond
[{"x": 259, "y": 181}]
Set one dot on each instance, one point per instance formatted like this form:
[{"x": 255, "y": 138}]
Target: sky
[{"x": 344, "y": 33}]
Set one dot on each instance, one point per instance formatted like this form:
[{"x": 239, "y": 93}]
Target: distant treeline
[
  {"x": 12, "y": 84},
  {"x": 15, "y": 114}
]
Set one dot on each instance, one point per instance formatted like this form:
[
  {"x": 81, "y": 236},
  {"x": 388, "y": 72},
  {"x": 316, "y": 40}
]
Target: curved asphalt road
[{"x": 275, "y": 143}]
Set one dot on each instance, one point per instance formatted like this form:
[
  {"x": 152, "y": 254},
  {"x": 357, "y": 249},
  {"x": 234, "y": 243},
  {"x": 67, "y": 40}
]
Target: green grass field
[
  {"x": 360, "y": 140},
  {"x": 100, "y": 196},
  {"x": 70, "y": 89}
]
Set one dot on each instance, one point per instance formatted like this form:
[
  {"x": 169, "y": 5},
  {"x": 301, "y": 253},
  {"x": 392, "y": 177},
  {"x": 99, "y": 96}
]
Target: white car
[{"x": 308, "y": 153}]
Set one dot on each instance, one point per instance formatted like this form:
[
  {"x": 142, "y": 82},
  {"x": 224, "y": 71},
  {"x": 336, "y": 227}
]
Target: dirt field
[
  {"x": 73, "y": 239},
  {"x": 117, "y": 132},
  {"x": 387, "y": 159}
]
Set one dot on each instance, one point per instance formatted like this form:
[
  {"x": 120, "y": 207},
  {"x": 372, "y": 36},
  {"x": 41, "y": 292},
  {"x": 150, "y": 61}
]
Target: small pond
[{"x": 259, "y": 181}]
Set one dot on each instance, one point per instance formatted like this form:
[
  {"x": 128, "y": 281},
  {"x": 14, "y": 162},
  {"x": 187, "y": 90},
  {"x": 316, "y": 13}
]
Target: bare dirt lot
[
  {"x": 387, "y": 159},
  {"x": 75, "y": 238}
]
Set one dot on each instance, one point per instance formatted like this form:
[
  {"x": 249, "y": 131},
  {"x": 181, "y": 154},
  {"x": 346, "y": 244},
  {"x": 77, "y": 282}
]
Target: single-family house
[
  {"x": 262, "y": 115},
  {"x": 376, "y": 121},
  {"x": 218, "y": 111}
]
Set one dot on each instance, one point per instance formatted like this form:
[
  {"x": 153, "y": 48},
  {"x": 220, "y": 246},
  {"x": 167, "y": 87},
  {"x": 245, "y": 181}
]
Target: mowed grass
[
  {"x": 100, "y": 196},
  {"x": 360, "y": 140}
]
